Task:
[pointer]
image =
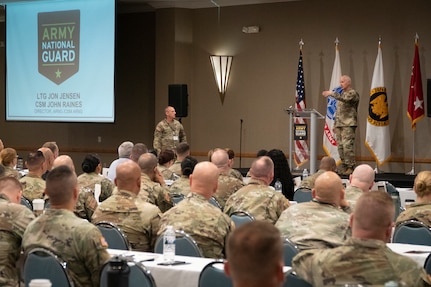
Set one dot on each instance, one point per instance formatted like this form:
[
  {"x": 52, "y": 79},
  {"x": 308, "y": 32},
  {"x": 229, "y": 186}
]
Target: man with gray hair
[{"x": 124, "y": 152}]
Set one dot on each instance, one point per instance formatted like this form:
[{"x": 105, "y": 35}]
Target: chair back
[
  {"x": 393, "y": 192},
  {"x": 293, "y": 280},
  {"x": 289, "y": 251},
  {"x": 412, "y": 232},
  {"x": 139, "y": 275},
  {"x": 177, "y": 197},
  {"x": 115, "y": 238},
  {"x": 26, "y": 203},
  {"x": 41, "y": 263},
  {"x": 215, "y": 202},
  {"x": 427, "y": 264},
  {"x": 302, "y": 194},
  {"x": 185, "y": 245},
  {"x": 213, "y": 276},
  {"x": 240, "y": 217}
]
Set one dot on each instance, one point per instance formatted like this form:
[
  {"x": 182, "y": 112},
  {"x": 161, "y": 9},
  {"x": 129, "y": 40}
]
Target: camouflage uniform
[
  {"x": 352, "y": 194},
  {"x": 88, "y": 180},
  {"x": 154, "y": 193},
  {"x": 181, "y": 185},
  {"x": 139, "y": 220},
  {"x": 14, "y": 218},
  {"x": 360, "y": 261},
  {"x": 235, "y": 173},
  {"x": 165, "y": 172},
  {"x": 168, "y": 135},
  {"x": 73, "y": 239},
  {"x": 86, "y": 204},
  {"x": 33, "y": 187},
  {"x": 258, "y": 199},
  {"x": 176, "y": 168},
  {"x": 314, "y": 225},
  {"x": 9, "y": 171},
  {"x": 345, "y": 126},
  {"x": 416, "y": 211},
  {"x": 227, "y": 185},
  {"x": 308, "y": 182},
  {"x": 205, "y": 223}
]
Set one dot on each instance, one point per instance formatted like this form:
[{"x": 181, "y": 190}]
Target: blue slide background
[{"x": 94, "y": 81}]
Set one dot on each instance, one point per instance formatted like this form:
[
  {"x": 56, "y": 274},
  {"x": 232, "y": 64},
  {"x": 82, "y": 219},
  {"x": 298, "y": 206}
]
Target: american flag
[{"x": 301, "y": 147}]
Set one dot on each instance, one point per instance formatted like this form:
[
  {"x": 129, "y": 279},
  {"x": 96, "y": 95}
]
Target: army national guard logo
[
  {"x": 378, "y": 109},
  {"x": 58, "y": 39}
]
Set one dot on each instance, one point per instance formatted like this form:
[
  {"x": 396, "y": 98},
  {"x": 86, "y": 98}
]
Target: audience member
[
  {"x": 138, "y": 150},
  {"x": 233, "y": 172},
  {"x": 182, "y": 185},
  {"x": 1, "y": 145},
  {"x": 320, "y": 223},
  {"x": 86, "y": 203},
  {"x": 53, "y": 147},
  {"x": 124, "y": 152},
  {"x": 14, "y": 218},
  {"x": 257, "y": 198},
  {"x": 326, "y": 164},
  {"x": 138, "y": 219},
  {"x": 227, "y": 184},
  {"x": 74, "y": 240},
  {"x": 166, "y": 160},
  {"x": 49, "y": 160},
  {"x": 205, "y": 223},
  {"x": 421, "y": 209},
  {"x": 9, "y": 158},
  {"x": 169, "y": 132},
  {"x": 182, "y": 151},
  {"x": 153, "y": 187},
  {"x": 33, "y": 183},
  {"x": 282, "y": 172},
  {"x": 92, "y": 168},
  {"x": 254, "y": 256},
  {"x": 361, "y": 180},
  {"x": 363, "y": 259}
]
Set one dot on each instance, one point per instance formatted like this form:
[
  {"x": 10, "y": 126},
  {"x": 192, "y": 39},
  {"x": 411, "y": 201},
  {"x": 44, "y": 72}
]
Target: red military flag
[{"x": 415, "y": 108}]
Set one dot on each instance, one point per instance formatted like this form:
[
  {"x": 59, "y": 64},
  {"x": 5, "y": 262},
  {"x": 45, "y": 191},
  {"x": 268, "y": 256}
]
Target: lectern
[{"x": 313, "y": 115}]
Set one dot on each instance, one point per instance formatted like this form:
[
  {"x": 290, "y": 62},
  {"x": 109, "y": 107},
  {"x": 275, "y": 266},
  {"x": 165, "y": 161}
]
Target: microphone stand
[{"x": 240, "y": 142}]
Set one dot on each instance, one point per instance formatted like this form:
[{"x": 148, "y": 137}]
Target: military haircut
[
  {"x": 182, "y": 148},
  {"x": 60, "y": 183},
  {"x": 35, "y": 159},
  {"x": 374, "y": 211},
  {"x": 147, "y": 162},
  {"x": 9, "y": 183},
  {"x": 262, "y": 167},
  {"x": 328, "y": 186},
  {"x": 253, "y": 251},
  {"x": 52, "y": 146},
  {"x": 137, "y": 150},
  {"x": 220, "y": 158},
  {"x": 422, "y": 185}
]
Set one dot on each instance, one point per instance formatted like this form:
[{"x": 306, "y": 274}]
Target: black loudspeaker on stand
[
  {"x": 178, "y": 98},
  {"x": 429, "y": 98}
]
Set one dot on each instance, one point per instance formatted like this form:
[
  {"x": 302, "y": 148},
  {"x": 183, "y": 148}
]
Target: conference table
[{"x": 418, "y": 253}]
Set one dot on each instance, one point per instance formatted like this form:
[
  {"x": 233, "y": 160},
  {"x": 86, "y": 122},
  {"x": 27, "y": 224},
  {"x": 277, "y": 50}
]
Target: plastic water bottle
[
  {"x": 278, "y": 186},
  {"x": 169, "y": 244},
  {"x": 304, "y": 173}
]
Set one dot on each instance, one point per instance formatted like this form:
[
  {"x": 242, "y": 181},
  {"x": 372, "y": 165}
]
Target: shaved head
[
  {"x": 363, "y": 177},
  {"x": 204, "y": 179},
  {"x": 328, "y": 163},
  {"x": 328, "y": 188},
  {"x": 220, "y": 158},
  {"x": 128, "y": 177},
  {"x": 263, "y": 169},
  {"x": 64, "y": 160}
]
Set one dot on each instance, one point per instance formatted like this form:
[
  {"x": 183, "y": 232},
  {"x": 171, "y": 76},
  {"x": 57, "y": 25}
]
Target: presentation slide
[{"x": 60, "y": 61}]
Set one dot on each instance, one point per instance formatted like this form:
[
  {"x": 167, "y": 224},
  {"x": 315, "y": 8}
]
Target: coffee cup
[
  {"x": 40, "y": 283},
  {"x": 38, "y": 206}
]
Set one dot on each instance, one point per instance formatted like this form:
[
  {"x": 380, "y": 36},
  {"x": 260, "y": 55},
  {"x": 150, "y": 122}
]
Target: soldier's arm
[{"x": 158, "y": 133}]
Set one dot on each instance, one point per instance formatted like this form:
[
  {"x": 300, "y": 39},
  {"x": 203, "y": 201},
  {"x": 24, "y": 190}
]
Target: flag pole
[
  {"x": 376, "y": 169},
  {"x": 412, "y": 171}
]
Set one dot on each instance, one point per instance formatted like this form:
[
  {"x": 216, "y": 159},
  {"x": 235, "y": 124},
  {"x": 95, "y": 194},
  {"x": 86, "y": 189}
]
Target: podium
[{"x": 313, "y": 115}]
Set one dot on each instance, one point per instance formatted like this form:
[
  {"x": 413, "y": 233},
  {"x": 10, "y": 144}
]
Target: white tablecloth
[
  {"x": 418, "y": 253},
  {"x": 184, "y": 275}
]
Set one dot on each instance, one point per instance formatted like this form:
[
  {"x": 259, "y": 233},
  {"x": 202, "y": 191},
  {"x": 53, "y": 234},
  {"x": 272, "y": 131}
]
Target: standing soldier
[
  {"x": 346, "y": 121},
  {"x": 169, "y": 132}
]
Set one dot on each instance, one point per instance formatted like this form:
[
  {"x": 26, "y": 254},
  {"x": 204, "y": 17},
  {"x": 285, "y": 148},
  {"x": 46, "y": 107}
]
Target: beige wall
[
  {"x": 170, "y": 46},
  {"x": 264, "y": 70}
]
